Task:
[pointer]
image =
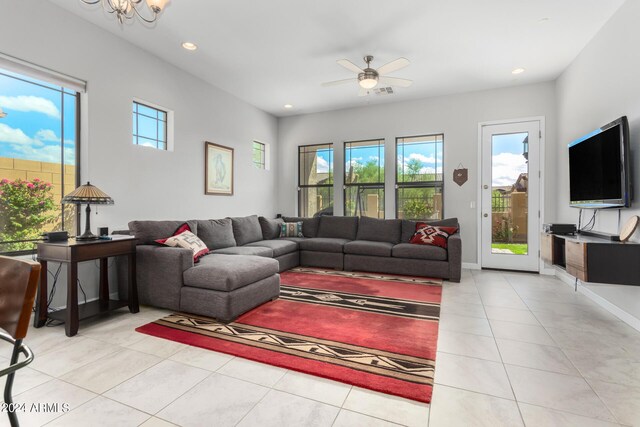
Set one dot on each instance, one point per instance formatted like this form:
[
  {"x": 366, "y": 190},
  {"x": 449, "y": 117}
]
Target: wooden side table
[{"x": 72, "y": 252}]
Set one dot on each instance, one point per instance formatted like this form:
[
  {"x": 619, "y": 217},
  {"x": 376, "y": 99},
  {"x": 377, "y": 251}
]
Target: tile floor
[{"x": 514, "y": 349}]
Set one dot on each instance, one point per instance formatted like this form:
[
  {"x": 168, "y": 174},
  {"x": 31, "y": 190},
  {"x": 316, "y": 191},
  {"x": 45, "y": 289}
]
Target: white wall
[
  {"x": 145, "y": 183},
  {"x": 601, "y": 85},
  {"x": 457, "y": 116}
]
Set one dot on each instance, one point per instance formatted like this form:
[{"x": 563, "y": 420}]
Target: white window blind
[{"x": 41, "y": 73}]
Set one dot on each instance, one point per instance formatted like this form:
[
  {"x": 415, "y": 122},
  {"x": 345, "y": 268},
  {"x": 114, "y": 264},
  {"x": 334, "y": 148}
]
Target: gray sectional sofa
[{"x": 241, "y": 271}]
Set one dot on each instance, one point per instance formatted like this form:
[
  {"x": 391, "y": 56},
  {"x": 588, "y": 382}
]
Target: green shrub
[{"x": 25, "y": 208}]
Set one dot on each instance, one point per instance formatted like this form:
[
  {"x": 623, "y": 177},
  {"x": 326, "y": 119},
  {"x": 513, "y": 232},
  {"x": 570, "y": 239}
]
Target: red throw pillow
[
  {"x": 184, "y": 238},
  {"x": 184, "y": 227},
  {"x": 432, "y": 235}
]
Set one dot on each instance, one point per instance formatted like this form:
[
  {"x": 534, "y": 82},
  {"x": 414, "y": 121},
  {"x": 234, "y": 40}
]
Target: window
[
  {"x": 419, "y": 181},
  {"x": 38, "y": 159},
  {"x": 315, "y": 180},
  {"x": 259, "y": 154},
  {"x": 364, "y": 178},
  {"x": 149, "y": 126}
]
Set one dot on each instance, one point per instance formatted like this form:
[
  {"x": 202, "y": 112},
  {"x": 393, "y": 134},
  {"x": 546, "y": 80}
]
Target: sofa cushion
[
  {"x": 228, "y": 272},
  {"x": 379, "y": 230},
  {"x": 246, "y": 250},
  {"x": 323, "y": 244},
  {"x": 246, "y": 229},
  {"x": 408, "y": 250},
  {"x": 278, "y": 246},
  {"x": 270, "y": 227},
  {"x": 366, "y": 247},
  {"x": 309, "y": 225},
  {"x": 297, "y": 240},
  {"x": 147, "y": 232},
  {"x": 338, "y": 227},
  {"x": 409, "y": 227},
  {"x": 216, "y": 233}
]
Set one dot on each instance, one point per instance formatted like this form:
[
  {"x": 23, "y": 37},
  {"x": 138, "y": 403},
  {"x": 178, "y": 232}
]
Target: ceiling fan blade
[
  {"x": 392, "y": 66},
  {"x": 350, "y": 65},
  {"x": 339, "y": 82},
  {"x": 394, "y": 81},
  {"x": 364, "y": 92}
]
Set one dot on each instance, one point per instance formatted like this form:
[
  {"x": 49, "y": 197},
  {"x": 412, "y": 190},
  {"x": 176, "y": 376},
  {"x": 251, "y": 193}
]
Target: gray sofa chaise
[{"x": 246, "y": 255}]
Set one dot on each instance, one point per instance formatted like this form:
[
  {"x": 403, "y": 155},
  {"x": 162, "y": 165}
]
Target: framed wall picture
[{"x": 218, "y": 169}]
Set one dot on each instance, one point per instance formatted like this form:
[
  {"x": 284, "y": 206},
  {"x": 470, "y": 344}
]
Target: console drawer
[{"x": 576, "y": 259}]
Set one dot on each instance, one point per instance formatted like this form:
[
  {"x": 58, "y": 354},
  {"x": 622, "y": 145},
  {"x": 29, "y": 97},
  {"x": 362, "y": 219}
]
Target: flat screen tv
[{"x": 599, "y": 168}]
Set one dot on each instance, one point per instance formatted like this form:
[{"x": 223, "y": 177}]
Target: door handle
[
  {"x": 485, "y": 215},
  {"x": 486, "y": 187}
]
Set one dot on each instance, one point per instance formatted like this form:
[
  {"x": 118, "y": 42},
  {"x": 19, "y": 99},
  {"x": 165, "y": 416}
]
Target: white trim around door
[{"x": 540, "y": 170}]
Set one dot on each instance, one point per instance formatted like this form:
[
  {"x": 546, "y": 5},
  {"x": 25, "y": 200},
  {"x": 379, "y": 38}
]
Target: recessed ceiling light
[
  {"x": 189, "y": 46},
  {"x": 517, "y": 71},
  {"x": 288, "y": 106}
]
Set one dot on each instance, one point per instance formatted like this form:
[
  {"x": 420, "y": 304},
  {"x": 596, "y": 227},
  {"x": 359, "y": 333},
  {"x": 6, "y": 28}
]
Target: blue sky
[
  {"x": 424, "y": 153},
  {"x": 33, "y": 125},
  {"x": 507, "y": 159}
]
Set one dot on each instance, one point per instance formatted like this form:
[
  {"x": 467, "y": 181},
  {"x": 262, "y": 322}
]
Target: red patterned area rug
[{"x": 370, "y": 330}]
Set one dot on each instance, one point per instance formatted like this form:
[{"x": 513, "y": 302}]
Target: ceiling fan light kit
[
  {"x": 128, "y": 9},
  {"x": 369, "y": 78}
]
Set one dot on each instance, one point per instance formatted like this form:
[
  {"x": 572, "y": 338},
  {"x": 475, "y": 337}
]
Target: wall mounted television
[{"x": 599, "y": 168}]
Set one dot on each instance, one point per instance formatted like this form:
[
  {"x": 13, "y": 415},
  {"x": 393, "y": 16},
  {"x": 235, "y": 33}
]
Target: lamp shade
[
  {"x": 87, "y": 194},
  {"x": 157, "y": 4},
  {"x": 368, "y": 83}
]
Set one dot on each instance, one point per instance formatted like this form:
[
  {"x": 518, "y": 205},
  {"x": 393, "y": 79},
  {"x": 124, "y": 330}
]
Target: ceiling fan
[{"x": 368, "y": 78}]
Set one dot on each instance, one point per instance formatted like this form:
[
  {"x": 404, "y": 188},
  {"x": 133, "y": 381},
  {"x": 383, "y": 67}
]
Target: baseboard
[
  {"x": 627, "y": 318},
  {"x": 470, "y": 266},
  {"x": 548, "y": 271}
]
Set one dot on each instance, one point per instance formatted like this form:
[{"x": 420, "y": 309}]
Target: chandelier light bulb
[{"x": 128, "y": 9}]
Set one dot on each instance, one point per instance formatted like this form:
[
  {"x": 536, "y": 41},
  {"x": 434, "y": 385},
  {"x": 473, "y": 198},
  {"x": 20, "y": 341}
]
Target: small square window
[
  {"x": 259, "y": 155},
  {"x": 149, "y": 126}
]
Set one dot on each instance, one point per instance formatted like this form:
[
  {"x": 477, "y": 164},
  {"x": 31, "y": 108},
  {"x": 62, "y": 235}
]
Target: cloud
[
  {"x": 13, "y": 135},
  {"x": 431, "y": 170},
  {"x": 30, "y": 104},
  {"x": 47, "y": 153},
  {"x": 322, "y": 166},
  {"x": 506, "y": 169},
  {"x": 422, "y": 158},
  {"x": 47, "y": 135}
]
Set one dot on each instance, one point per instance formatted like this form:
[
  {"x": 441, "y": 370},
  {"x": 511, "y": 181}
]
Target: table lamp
[{"x": 88, "y": 194}]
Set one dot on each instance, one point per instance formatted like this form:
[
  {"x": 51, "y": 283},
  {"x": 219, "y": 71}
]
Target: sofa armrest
[
  {"x": 454, "y": 253},
  {"x": 159, "y": 272}
]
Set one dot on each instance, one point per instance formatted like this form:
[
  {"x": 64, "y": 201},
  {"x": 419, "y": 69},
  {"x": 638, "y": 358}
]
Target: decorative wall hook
[{"x": 460, "y": 175}]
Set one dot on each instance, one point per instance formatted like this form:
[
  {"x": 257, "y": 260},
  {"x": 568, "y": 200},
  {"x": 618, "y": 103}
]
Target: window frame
[
  {"x": 78, "y": 146},
  {"x": 168, "y": 125},
  {"x": 422, "y": 184},
  {"x": 368, "y": 185},
  {"x": 306, "y": 186},
  {"x": 262, "y": 165}
]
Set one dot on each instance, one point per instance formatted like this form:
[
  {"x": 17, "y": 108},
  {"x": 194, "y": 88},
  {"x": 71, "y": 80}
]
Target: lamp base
[{"x": 89, "y": 236}]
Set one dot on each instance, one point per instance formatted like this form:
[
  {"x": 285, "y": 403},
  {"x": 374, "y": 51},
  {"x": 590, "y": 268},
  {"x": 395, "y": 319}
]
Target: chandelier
[{"x": 128, "y": 9}]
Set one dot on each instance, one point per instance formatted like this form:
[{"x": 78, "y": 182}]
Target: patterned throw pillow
[
  {"x": 184, "y": 238},
  {"x": 291, "y": 229},
  {"x": 432, "y": 235}
]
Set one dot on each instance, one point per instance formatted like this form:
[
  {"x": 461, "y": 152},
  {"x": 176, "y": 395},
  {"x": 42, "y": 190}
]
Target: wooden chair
[{"x": 18, "y": 286}]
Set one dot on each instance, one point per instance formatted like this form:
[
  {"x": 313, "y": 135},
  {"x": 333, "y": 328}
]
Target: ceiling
[{"x": 276, "y": 52}]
